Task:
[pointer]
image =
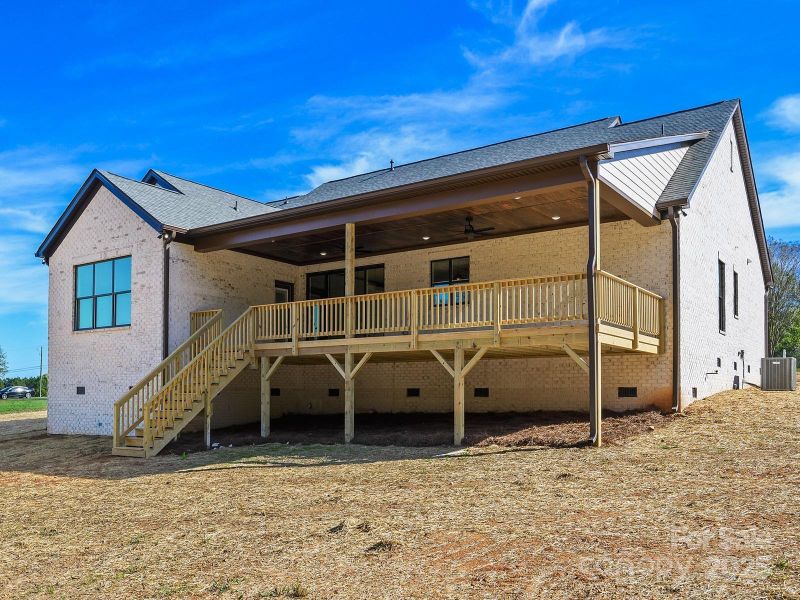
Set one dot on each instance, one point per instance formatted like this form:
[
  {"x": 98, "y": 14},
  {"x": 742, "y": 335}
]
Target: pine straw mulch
[{"x": 705, "y": 506}]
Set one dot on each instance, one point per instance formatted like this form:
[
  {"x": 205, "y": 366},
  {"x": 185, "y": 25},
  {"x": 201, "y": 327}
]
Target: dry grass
[{"x": 706, "y": 506}]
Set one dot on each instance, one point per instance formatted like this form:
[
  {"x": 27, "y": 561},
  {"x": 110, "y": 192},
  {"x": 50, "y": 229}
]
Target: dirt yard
[{"x": 702, "y": 506}]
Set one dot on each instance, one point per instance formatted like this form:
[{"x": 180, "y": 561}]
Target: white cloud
[
  {"x": 534, "y": 46},
  {"x": 18, "y": 265},
  {"x": 785, "y": 113},
  {"x": 367, "y": 131},
  {"x": 781, "y": 206},
  {"x": 373, "y": 149},
  {"x": 32, "y": 220},
  {"x": 30, "y": 169},
  {"x": 322, "y": 173}
]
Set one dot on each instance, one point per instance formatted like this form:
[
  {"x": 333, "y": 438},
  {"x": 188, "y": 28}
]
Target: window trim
[
  {"x": 362, "y": 269},
  {"x": 112, "y": 294}
]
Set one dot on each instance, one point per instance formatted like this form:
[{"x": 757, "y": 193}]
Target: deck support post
[
  {"x": 459, "y": 372},
  {"x": 267, "y": 371},
  {"x": 207, "y": 425},
  {"x": 348, "y": 372},
  {"x": 458, "y": 396},
  {"x": 349, "y": 399},
  {"x": 592, "y": 267}
]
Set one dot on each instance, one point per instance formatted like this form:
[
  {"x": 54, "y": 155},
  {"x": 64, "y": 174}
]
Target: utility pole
[{"x": 41, "y": 355}]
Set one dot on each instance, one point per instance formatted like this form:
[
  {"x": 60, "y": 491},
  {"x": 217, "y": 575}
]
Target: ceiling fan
[{"x": 471, "y": 232}]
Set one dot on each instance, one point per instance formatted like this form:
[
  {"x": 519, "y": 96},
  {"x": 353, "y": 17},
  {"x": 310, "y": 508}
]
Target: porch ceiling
[{"x": 509, "y": 214}]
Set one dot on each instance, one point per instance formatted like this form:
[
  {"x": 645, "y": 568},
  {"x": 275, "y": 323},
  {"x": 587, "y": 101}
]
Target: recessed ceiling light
[
  {"x": 517, "y": 197},
  {"x": 323, "y": 253},
  {"x": 555, "y": 217},
  {"x": 426, "y": 237}
]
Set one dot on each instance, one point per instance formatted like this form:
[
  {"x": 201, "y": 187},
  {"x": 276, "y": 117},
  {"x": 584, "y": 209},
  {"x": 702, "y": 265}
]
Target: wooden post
[
  {"x": 635, "y": 325},
  {"x": 497, "y": 306},
  {"x": 349, "y": 276},
  {"x": 458, "y": 396},
  {"x": 207, "y": 423},
  {"x": 265, "y": 397},
  {"x": 349, "y": 398}
]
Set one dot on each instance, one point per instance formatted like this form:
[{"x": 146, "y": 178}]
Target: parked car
[{"x": 17, "y": 391}]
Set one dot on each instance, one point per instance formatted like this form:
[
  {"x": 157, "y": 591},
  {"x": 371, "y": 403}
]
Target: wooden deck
[{"x": 457, "y": 325}]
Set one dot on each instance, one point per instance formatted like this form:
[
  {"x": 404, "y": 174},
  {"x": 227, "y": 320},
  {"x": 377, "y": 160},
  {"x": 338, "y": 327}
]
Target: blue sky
[{"x": 268, "y": 99}]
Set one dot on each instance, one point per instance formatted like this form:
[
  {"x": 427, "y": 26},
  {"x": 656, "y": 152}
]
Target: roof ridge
[
  {"x": 149, "y": 185},
  {"x": 677, "y": 112},
  {"x": 211, "y": 187},
  {"x": 516, "y": 139}
]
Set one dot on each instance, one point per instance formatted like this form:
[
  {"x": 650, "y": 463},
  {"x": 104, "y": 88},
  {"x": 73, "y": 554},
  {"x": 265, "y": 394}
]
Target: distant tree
[
  {"x": 784, "y": 298},
  {"x": 3, "y": 363}
]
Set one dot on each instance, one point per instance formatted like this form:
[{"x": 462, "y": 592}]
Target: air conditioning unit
[{"x": 779, "y": 373}]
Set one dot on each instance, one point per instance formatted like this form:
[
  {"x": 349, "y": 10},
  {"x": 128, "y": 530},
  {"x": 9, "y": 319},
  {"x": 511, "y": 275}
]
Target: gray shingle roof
[
  {"x": 193, "y": 205},
  {"x": 712, "y": 118}
]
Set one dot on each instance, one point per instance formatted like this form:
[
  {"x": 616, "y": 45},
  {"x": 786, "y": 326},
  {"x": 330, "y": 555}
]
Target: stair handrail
[
  {"x": 128, "y": 410},
  {"x": 160, "y": 410}
]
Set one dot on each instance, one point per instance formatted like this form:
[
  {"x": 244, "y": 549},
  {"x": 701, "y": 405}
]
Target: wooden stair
[{"x": 159, "y": 407}]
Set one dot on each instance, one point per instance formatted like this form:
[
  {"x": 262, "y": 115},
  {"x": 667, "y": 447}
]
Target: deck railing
[
  {"x": 465, "y": 306},
  {"x": 186, "y": 376},
  {"x": 129, "y": 410}
]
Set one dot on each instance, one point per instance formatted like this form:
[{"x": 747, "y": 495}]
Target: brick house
[{"x": 608, "y": 265}]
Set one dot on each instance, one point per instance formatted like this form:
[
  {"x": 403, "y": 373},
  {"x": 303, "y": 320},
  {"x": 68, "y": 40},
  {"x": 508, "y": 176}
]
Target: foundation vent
[
  {"x": 481, "y": 392},
  {"x": 412, "y": 392},
  {"x": 333, "y": 392},
  {"x": 627, "y": 392}
]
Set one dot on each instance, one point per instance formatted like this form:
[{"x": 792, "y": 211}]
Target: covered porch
[{"x": 534, "y": 314}]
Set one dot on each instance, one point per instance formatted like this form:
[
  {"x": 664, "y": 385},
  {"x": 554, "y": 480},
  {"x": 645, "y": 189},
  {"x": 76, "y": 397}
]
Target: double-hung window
[{"x": 103, "y": 294}]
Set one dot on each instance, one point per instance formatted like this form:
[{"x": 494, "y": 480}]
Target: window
[
  {"x": 721, "y": 295},
  {"x": 330, "y": 284},
  {"x": 103, "y": 294},
  {"x": 284, "y": 292},
  {"x": 450, "y": 271},
  {"x": 735, "y": 294}
]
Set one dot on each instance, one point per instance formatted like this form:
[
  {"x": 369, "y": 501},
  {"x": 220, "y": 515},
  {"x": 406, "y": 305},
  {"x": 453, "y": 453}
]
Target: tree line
[{"x": 784, "y": 299}]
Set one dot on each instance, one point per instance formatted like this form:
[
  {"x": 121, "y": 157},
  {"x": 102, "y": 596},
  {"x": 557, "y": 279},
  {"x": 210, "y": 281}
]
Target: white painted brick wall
[
  {"x": 718, "y": 226},
  {"x": 106, "y": 362}
]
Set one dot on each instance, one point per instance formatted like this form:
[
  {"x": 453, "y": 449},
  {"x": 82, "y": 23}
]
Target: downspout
[
  {"x": 674, "y": 214},
  {"x": 591, "y": 269},
  {"x": 166, "y": 238},
  {"x": 767, "y": 349}
]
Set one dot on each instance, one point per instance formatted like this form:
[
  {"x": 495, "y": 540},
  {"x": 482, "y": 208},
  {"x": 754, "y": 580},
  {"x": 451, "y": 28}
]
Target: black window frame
[
  {"x": 284, "y": 285},
  {"x": 458, "y": 297},
  {"x": 450, "y": 280},
  {"x": 113, "y": 294},
  {"x": 363, "y": 269},
  {"x": 721, "y": 295},
  {"x": 735, "y": 294}
]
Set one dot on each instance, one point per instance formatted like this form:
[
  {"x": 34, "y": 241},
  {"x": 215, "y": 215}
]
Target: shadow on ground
[{"x": 309, "y": 441}]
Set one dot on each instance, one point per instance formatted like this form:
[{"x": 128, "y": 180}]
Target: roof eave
[
  {"x": 76, "y": 206},
  {"x": 417, "y": 188}
]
